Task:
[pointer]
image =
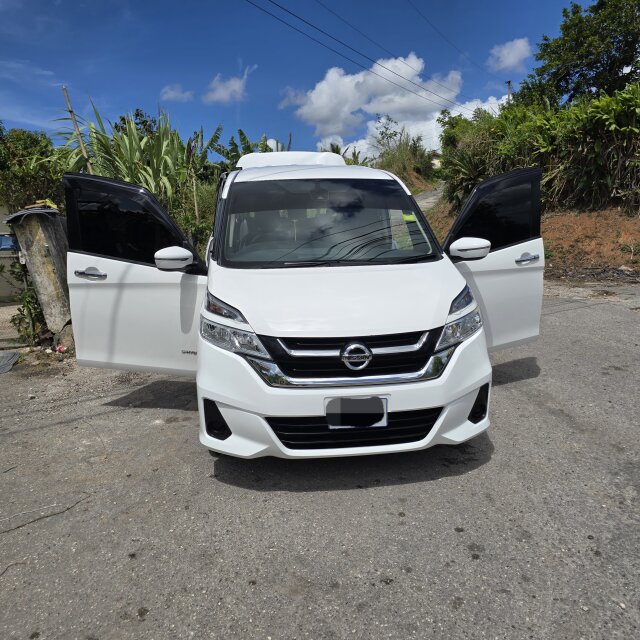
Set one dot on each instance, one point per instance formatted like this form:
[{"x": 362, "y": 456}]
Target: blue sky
[{"x": 224, "y": 61}]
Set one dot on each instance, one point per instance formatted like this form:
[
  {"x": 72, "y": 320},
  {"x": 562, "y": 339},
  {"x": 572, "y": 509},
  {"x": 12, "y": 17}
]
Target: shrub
[{"x": 589, "y": 151}]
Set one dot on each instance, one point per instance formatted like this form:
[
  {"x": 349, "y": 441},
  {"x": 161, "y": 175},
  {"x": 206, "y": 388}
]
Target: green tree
[
  {"x": 24, "y": 177},
  {"x": 598, "y": 49},
  {"x": 353, "y": 158},
  {"x": 144, "y": 123},
  {"x": 233, "y": 151},
  {"x": 386, "y": 134}
]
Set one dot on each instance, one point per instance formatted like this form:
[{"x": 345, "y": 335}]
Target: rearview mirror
[
  {"x": 470, "y": 248},
  {"x": 173, "y": 258}
]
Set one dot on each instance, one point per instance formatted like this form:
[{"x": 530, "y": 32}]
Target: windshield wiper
[
  {"x": 412, "y": 259},
  {"x": 312, "y": 263}
]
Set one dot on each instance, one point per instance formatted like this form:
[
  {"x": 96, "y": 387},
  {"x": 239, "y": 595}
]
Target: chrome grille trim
[
  {"x": 310, "y": 353},
  {"x": 271, "y": 373},
  {"x": 402, "y": 348},
  {"x": 335, "y": 353}
]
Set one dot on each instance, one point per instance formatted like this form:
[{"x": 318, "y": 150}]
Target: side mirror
[
  {"x": 470, "y": 248},
  {"x": 173, "y": 258}
]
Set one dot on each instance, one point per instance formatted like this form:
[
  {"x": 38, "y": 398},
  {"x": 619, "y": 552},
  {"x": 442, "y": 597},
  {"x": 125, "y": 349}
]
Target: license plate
[{"x": 351, "y": 413}]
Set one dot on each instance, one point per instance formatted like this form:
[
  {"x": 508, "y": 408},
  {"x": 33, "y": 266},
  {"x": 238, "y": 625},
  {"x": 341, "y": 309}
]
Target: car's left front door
[
  {"x": 507, "y": 283},
  {"x": 127, "y": 313}
]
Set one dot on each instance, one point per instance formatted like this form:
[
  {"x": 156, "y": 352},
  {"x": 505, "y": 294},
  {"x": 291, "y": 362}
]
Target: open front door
[
  {"x": 508, "y": 282},
  {"x": 127, "y": 313}
]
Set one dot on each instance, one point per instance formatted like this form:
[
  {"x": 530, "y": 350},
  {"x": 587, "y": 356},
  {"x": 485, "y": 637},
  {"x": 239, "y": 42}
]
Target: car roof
[{"x": 314, "y": 172}]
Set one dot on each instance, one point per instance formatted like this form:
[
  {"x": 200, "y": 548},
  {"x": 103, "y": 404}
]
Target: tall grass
[
  {"x": 406, "y": 157},
  {"x": 178, "y": 172}
]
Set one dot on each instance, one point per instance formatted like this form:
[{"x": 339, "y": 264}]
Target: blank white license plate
[{"x": 352, "y": 413}]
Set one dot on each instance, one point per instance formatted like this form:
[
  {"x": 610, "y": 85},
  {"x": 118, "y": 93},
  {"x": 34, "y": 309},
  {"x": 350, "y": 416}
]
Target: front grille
[
  {"x": 314, "y": 432},
  {"x": 386, "y": 340},
  {"x": 303, "y": 366}
]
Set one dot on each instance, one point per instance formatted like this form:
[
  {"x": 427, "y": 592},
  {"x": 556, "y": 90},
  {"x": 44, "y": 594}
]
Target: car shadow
[
  {"x": 321, "y": 474},
  {"x": 352, "y": 473},
  {"x": 515, "y": 371},
  {"x": 161, "y": 394}
]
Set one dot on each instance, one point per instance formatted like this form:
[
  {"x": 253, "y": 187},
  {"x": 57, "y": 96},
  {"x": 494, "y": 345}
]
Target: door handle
[
  {"x": 90, "y": 273},
  {"x": 526, "y": 258}
]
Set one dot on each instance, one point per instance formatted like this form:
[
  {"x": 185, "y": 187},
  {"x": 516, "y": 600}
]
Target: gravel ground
[
  {"x": 8, "y": 335},
  {"x": 115, "y": 523}
]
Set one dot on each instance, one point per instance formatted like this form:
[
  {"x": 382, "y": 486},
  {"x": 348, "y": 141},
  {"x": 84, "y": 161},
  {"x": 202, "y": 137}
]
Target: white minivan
[{"x": 325, "y": 319}]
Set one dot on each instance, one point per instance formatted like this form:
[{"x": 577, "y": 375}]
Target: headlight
[
  {"x": 459, "y": 330},
  {"x": 235, "y": 340},
  {"x": 461, "y": 301},
  {"x": 219, "y": 308},
  {"x": 463, "y": 321}
]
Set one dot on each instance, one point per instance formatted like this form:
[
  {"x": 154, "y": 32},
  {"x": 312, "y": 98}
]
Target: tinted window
[
  {"x": 117, "y": 226},
  {"x": 504, "y": 211},
  {"x": 276, "y": 223}
]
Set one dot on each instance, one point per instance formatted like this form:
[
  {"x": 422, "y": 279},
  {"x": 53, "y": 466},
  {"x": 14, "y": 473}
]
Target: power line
[
  {"x": 364, "y": 35},
  {"x": 326, "y": 46},
  {"x": 446, "y": 39},
  {"x": 454, "y": 45},
  {"x": 344, "y": 44}
]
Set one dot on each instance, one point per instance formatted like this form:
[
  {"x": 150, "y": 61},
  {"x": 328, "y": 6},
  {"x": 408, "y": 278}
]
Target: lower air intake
[
  {"x": 214, "y": 422},
  {"x": 314, "y": 432},
  {"x": 479, "y": 410}
]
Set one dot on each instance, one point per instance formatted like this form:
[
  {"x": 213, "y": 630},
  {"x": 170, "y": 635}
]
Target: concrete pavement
[{"x": 115, "y": 523}]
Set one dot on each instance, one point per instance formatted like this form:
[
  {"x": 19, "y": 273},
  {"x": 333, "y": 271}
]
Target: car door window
[
  {"x": 115, "y": 226},
  {"x": 117, "y": 220},
  {"x": 504, "y": 210}
]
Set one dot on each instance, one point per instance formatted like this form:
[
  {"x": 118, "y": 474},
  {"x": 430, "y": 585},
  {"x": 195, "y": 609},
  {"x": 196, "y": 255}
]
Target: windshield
[{"x": 289, "y": 223}]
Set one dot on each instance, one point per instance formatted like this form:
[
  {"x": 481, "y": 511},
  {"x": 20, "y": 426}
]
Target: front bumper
[{"x": 245, "y": 401}]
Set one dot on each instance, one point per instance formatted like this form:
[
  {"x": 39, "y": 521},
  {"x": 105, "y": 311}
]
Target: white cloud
[
  {"x": 510, "y": 55},
  {"x": 175, "y": 93},
  {"x": 341, "y": 103},
  {"x": 230, "y": 90},
  {"x": 428, "y": 128},
  {"x": 23, "y": 72},
  {"x": 292, "y": 97}
]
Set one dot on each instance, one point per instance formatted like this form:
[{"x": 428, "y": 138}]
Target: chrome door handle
[
  {"x": 90, "y": 273},
  {"x": 526, "y": 258}
]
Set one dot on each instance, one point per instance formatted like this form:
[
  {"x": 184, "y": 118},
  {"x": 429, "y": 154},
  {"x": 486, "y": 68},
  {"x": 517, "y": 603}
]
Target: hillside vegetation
[{"x": 589, "y": 151}]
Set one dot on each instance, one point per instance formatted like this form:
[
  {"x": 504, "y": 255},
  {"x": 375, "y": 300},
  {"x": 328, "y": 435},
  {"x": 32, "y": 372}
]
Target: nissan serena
[{"x": 325, "y": 318}]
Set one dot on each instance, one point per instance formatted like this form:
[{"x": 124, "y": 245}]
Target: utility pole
[
  {"x": 508, "y": 91},
  {"x": 77, "y": 130}
]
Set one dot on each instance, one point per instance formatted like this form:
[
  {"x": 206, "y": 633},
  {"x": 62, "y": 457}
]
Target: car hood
[{"x": 340, "y": 301}]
